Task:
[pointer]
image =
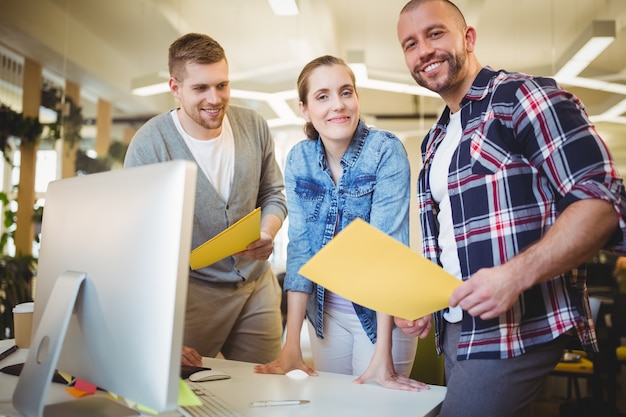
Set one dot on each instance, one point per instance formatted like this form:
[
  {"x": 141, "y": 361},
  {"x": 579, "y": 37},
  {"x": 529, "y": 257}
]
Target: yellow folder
[
  {"x": 230, "y": 241},
  {"x": 376, "y": 271}
]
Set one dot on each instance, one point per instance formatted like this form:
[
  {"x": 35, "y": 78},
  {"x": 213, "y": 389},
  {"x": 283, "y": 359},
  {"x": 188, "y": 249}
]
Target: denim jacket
[{"x": 374, "y": 186}]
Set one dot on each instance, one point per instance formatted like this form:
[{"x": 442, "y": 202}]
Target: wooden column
[
  {"x": 129, "y": 132},
  {"x": 31, "y": 101},
  {"x": 103, "y": 127},
  {"x": 68, "y": 153}
]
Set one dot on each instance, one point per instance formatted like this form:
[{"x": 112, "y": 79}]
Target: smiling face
[
  {"x": 332, "y": 105},
  {"x": 204, "y": 94},
  {"x": 438, "y": 49}
]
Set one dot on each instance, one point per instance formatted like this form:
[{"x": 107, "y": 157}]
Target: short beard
[{"x": 455, "y": 66}]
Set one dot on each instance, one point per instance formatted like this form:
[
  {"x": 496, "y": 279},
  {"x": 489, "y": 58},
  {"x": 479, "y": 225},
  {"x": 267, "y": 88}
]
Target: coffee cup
[{"x": 23, "y": 324}]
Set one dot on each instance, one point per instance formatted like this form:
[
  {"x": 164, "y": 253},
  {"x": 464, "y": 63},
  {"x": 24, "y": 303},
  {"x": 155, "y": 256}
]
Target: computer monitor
[{"x": 111, "y": 288}]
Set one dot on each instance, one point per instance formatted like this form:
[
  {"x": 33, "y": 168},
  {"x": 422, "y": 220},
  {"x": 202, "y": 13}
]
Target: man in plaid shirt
[{"x": 516, "y": 191}]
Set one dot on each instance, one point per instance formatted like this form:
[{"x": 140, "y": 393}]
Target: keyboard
[{"x": 212, "y": 404}]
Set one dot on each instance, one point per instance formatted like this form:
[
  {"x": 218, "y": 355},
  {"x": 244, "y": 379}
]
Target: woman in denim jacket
[{"x": 343, "y": 171}]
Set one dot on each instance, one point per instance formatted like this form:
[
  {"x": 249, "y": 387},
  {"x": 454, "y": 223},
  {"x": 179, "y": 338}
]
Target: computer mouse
[
  {"x": 208, "y": 375},
  {"x": 297, "y": 374}
]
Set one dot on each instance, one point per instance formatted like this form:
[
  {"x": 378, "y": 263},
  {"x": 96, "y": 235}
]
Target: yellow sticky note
[
  {"x": 146, "y": 410},
  {"x": 376, "y": 271},
  {"x": 65, "y": 376},
  {"x": 230, "y": 241},
  {"x": 186, "y": 396}
]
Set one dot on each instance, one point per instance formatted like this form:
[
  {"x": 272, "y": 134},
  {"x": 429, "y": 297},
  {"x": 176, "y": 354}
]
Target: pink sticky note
[{"x": 85, "y": 386}]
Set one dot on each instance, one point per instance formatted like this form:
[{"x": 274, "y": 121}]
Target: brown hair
[
  {"x": 193, "y": 47},
  {"x": 303, "y": 84}
]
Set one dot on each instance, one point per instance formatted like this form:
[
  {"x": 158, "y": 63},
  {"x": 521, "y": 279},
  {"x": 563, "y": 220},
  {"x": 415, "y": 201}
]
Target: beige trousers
[{"x": 241, "y": 321}]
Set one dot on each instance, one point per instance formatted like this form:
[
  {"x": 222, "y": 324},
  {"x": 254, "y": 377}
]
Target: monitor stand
[{"x": 32, "y": 387}]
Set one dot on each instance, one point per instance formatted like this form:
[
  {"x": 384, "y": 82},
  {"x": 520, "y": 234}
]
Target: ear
[
  {"x": 304, "y": 111},
  {"x": 174, "y": 87},
  {"x": 470, "y": 38}
]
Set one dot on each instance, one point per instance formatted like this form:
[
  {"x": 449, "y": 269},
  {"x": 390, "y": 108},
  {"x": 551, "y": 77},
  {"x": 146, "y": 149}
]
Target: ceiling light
[
  {"x": 612, "y": 115},
  {"x": 394, "y": 87},
  {"x": 284, "y": 7},
  {"x": 277, "y": 101},
  {"x": 356, "y": 61},
  {"x": 595, "y": 39},
  {"x": 594, "y": 84},
  {"x": 151, "y": 84}
]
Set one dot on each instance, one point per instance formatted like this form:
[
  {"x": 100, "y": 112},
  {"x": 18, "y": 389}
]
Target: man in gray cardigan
[{"x": 233, "y": 305}]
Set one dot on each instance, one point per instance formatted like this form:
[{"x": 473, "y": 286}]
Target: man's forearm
[{"x": 578, "y": 233}]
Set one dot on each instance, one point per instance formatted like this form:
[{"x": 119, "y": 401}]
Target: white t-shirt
[
  {"x": 439, "y": 188},
  {"x": 215, "y": 157}
]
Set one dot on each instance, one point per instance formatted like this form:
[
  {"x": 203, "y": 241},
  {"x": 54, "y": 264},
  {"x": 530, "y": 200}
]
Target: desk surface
[{"x": 329, "y": 394}]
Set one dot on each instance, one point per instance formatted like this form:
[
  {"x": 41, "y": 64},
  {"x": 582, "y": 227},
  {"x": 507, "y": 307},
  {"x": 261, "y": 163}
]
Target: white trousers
[{"x": 346, "y": 349}]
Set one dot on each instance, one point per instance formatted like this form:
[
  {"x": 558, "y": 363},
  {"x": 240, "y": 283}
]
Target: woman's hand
[
  {"x": 418, "y": 328},
  {"x": 381, "y": 370},
  {"x": 289, "y": 360}
]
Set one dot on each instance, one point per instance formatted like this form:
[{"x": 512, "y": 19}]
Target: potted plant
[
  {"x": 17, "y": 271},
  {"x": 16, "y": 274},
  {"x": 16, "y": 277},
  {"x": 14, "y": 124}
]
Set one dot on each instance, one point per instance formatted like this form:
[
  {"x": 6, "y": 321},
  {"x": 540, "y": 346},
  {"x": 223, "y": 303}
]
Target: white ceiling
[{"x": 103, "y": 45}]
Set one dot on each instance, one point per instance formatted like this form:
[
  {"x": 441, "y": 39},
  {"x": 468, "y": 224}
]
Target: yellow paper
[
  {"x": 232, "y": 240},
  {"x": 376, "y": 271}
]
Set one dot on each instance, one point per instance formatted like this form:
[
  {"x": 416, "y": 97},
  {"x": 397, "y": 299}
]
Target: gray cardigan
[{"x": 257, "y": 182}]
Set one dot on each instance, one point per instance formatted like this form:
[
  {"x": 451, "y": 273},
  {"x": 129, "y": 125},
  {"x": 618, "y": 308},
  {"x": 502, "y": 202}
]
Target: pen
[
  {"x": 8, "y": 352},
  {"x": 277, "y": 403}
]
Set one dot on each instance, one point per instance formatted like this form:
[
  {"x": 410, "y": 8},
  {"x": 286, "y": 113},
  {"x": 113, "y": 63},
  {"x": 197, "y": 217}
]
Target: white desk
[{"x": 329, "y": 394}]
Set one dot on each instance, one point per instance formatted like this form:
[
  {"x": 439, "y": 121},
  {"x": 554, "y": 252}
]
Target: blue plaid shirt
[{"x": 528, "y": 150}]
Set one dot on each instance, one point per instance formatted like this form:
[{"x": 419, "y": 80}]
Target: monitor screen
[{"x": 120, "y": 241}]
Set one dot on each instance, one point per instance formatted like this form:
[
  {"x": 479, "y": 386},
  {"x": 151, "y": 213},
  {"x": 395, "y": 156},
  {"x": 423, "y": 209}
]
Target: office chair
[
  {"x": 617, "y": 332},
  {"x": 575, "y": 364},
  {"x": 620, "y": 354},
  {"x": 428, "y": 367}
]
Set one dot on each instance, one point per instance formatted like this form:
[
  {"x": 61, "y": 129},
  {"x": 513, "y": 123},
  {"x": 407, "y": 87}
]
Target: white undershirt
[
  {"x": 439, "y": 188},
  {"x": 215, "y": 157}
]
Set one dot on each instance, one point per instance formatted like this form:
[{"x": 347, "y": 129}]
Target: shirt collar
[
  {"x": 480, "y": 87},
  {"x": 354, "y": 149},
  {"x": 478, "y": 91}
]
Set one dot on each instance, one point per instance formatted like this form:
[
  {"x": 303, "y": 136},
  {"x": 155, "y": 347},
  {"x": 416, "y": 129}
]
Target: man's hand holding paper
[
  {"x": 260, "y": 249},
  {"x": 235, "y": 239}
]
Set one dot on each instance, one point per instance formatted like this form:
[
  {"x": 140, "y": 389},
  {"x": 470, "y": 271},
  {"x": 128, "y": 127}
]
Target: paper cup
[{"x": 23, "y": 324}]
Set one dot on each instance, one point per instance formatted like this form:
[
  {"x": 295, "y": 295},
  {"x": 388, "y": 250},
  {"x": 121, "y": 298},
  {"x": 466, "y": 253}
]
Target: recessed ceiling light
[{"x": 284, "y": 7}]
